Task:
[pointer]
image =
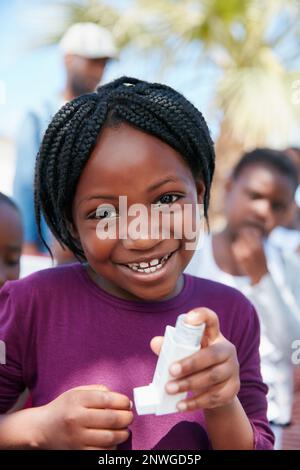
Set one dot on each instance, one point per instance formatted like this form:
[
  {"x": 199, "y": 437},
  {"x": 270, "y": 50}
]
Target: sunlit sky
[{"x": 31, "y": 74}]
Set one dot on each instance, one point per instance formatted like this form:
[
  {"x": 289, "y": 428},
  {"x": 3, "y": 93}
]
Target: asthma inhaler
[{"x": 179, "y": 342}]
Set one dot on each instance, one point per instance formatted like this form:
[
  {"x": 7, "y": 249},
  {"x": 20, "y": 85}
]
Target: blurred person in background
[
  {"x": 11, "y": 239},
  {"x": 259, "y": 197},
  {"x": 288, "y": 237},
  {"x": 86, "y": 49}
]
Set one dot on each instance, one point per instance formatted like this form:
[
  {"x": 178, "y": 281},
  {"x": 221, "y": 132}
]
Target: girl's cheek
[{"x": 96, "y": 249}]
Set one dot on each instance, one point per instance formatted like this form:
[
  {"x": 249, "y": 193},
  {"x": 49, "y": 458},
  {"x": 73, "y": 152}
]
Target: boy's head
[
  {"x": 260, "y": 192},
  {"x": 11, "y": 238},
  {"x": 87, "y": 47},
  {"x": 130, "y": 138}
]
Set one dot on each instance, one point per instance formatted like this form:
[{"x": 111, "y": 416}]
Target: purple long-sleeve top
[{"x": 61, "y": 330}]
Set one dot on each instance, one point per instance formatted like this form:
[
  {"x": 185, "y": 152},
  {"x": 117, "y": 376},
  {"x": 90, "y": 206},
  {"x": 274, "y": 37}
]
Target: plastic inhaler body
[{"x": 179, "y": 342}]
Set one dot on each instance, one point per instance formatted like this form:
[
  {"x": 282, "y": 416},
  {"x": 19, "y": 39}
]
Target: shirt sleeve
[
  {"x": 253, "y": 391},
  {"x": 11, "y": 377}
]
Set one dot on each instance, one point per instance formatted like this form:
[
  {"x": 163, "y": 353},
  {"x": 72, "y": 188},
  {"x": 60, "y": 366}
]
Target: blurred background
[{"x": 237, "y": 61}]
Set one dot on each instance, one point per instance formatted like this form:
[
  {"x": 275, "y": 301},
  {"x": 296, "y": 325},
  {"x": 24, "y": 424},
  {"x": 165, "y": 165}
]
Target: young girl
[{"x": 78, "y": 336}]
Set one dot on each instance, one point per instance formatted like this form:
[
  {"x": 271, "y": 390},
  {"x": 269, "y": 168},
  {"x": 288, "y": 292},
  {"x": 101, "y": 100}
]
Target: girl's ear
[{"x": 200, "y": 190}]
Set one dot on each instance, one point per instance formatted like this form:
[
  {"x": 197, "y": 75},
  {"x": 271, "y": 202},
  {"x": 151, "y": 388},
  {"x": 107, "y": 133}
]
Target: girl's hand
[
  {"x": 211, "y": 374},
  {"x": 87, "y": 417}
]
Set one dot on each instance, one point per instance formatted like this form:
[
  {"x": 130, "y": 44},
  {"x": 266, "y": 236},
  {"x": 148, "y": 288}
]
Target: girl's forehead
[{"x": 128, "y": 154}]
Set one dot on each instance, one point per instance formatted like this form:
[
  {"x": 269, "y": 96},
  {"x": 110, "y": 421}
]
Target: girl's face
[
  {"x": 128, "y": 162},
  {"x": 10, "y": 243},
  {"x": 260, "y": 197}
]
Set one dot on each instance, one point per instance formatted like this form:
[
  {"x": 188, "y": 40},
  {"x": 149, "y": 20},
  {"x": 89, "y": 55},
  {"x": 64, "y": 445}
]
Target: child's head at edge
[
  {"x": 123, "y": 139},
  {"x": 11, "y": 238}
]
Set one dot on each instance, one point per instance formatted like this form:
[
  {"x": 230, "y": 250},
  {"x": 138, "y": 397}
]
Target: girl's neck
[{"x": 117, "y": 291}]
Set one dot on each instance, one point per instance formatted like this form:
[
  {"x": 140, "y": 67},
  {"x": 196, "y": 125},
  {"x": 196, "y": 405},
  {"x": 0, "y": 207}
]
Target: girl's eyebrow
[
  {"x": 98, "y": 196},
  {"x": 169, "y": 179}
]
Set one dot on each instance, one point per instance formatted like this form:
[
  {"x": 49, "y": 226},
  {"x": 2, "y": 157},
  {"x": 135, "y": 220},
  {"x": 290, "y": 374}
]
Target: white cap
[{"x": 88, "y": 40}]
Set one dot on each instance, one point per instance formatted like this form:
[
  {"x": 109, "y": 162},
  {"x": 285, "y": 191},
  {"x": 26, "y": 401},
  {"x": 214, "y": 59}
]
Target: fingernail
[
  {"x": 175, "y": 369},
  {"x": 193, "y": 317},
  {"x": 181, "y": 406},
  {"x": 131, "y": 405},
  {"x": 172, "y": 387}
]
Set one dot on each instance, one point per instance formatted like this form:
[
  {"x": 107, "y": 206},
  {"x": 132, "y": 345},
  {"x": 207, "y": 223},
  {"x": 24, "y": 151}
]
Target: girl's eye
[
  {"x": 104, "y": 212},
  {"x": 167, "y": 199}
]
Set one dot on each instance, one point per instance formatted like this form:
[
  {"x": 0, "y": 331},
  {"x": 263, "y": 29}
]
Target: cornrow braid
[{"x": 73, "y": 132}]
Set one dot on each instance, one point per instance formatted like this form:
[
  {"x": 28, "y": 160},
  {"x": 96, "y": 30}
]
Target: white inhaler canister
[{"x": 179, "y": 342}]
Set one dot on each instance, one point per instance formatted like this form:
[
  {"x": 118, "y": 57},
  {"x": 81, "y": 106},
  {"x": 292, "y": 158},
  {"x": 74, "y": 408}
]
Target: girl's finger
[
  {"x": 98, "y": 399},
  {"x": 104, "y": 437},
  {"x": 209, "y": 317},
  {"x": 201, "y": 360},
  {"x": 106, "y": 419},
  {"x": 99, "y": 448},
  {"x": 219, "y": 395},
  {"x": 202, "y": 381},
  {"x": 156, "y": 344},
  {"x": 195, "y": 317}
]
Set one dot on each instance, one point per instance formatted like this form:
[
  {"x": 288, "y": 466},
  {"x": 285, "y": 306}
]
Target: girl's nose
[
  {"x": 140, "y": 243},
  {"x": 141, "y": 233}
]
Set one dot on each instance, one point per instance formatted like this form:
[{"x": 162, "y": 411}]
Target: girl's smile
[{"x": 153, "y": 270}]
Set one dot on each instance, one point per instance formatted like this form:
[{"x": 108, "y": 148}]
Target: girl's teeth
[
  {"x": 151, "y": 267},
  {"x": 154, "y": 262},
  {"x": 144, "y": 265}
]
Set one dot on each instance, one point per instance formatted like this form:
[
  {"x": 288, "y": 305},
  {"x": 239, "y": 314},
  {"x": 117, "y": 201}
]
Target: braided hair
[{"x": 73, "y": 132}]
